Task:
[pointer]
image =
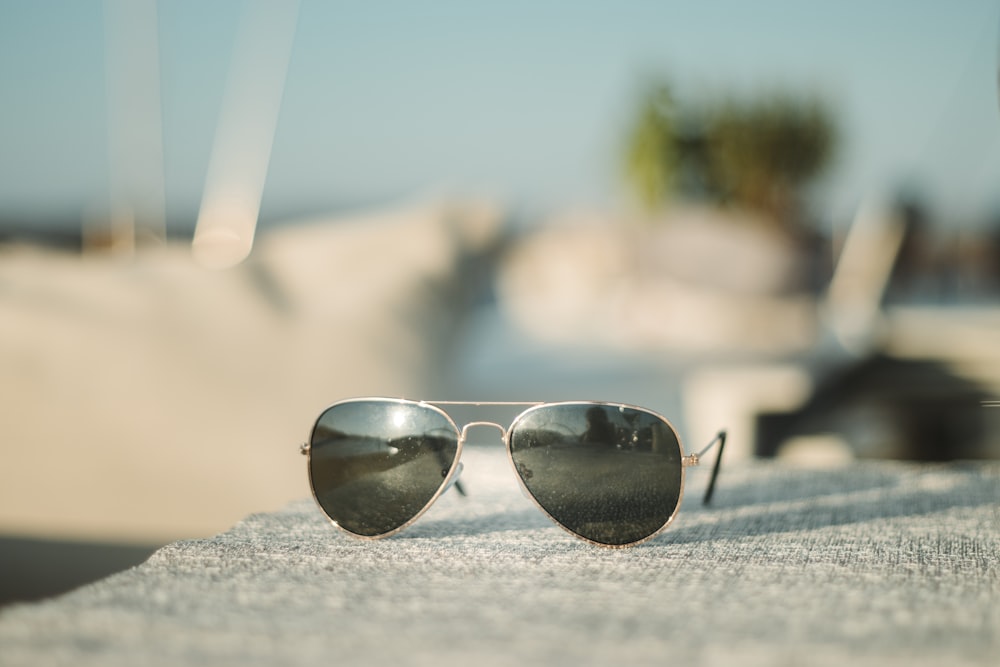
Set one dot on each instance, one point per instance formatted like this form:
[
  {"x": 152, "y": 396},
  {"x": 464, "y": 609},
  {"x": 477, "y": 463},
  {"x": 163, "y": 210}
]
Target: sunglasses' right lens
[{"x": 376, "y": 465}]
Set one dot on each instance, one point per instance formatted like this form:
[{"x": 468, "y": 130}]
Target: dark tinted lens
[
  {"x": 375, "y": 465},
  {"x": 609, "y": 474}
]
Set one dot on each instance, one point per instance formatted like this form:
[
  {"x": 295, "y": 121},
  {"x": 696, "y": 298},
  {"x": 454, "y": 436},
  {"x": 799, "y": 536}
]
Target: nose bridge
[{"x": 465, "y": 429}]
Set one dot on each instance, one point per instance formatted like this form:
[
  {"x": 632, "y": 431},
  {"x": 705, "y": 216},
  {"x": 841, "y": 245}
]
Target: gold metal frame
[{"x": 686, "y": 460}]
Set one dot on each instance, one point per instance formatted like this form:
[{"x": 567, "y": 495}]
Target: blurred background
[{"x": 217, "y": 218}]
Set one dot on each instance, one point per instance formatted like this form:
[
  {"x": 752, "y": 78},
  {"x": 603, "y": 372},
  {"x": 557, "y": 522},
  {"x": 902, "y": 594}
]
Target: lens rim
[
  {"x": 508, "y": 435},
  {"x": 445, "y": 481}
]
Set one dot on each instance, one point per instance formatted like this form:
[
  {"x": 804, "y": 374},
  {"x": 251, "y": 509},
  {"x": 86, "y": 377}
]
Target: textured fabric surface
[{"x": 875, "y": 564}]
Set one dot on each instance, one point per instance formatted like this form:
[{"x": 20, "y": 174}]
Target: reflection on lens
[
  {"x": 375, "y": 465},
  {"x": 610, "y": 474}
]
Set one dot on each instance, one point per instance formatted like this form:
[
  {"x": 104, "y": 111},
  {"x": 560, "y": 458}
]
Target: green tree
[
  {"x": 651, "y": 149},
  {"x": 757, "y": 153},
  {"x": 764, "y": 151}
]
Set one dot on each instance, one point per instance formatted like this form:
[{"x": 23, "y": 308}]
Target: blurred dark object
[
  {"x": 888, "y": 408},
  {"x": 913, "y": 375},
  {"x": 35, "y": 568}
]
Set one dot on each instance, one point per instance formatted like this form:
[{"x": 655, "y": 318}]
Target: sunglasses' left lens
[{"x": 376, "y": 465}]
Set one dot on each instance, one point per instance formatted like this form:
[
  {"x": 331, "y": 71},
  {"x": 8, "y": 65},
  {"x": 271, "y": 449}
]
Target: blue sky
[{"x": 523, "y": 101}]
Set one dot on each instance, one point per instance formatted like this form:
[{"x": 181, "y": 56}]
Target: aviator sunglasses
[{"x": 608, "y": 473}]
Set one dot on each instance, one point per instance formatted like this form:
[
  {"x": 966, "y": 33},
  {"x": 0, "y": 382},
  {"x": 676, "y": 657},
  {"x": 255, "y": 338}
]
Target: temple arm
[{"x": 721, "y": 439}]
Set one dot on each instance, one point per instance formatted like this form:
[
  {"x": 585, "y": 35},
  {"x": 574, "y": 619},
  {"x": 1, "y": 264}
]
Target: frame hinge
[
  {"x": 690, "y": 460},
  {"x": 304, "y": 448}
]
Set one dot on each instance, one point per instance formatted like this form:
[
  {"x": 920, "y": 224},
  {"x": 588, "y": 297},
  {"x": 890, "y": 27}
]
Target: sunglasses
[{"x": 608, "y": 473}]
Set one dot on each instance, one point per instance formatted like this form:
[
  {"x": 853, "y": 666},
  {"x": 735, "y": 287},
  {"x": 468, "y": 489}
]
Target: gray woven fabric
[{"x": 876, "y": 564}]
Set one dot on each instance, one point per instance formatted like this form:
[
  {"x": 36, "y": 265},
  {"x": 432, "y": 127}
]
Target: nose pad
[{"x": 453, "y": 480}]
